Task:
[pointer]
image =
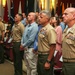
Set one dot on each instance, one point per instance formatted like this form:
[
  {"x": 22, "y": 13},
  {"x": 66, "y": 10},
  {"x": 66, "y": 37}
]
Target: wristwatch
[{"x": 48, "y": 61}]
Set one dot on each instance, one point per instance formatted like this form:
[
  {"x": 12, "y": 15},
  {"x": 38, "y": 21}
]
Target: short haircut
[
  {"x": 20, "y": 16},
  {"x": 48, "y": 14}
]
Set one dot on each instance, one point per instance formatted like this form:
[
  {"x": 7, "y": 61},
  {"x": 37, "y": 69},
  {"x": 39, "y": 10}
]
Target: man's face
[
  {"x": 42, "y": 18},
  {"x": 17, "y": 18},
  {"x": 67, "y": 16},
  {"x": 24, "y": 16},
  {"x": 30, "y": 17}
]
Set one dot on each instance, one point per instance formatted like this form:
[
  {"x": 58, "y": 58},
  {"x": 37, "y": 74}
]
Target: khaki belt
[{"x": 68, "y": 60}]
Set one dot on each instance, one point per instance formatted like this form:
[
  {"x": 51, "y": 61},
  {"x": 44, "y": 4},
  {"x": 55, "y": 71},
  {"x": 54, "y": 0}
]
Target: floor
[{"x": 7, "y": 68}]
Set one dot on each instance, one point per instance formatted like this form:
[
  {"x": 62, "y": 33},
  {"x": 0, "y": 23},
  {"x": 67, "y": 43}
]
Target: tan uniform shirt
[
  {"x": 68, "y": 43},
  {"x": 17, "y": 32},
  {"x": 2, "y": 28},
  {"x": 46, "y": 37}
]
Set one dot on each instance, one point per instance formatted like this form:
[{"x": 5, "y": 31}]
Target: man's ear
[{"x": 74, "y": 16}]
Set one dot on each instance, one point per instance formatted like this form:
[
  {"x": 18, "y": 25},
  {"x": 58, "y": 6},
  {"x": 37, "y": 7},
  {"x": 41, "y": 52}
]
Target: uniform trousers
[
  {"x": 1, "y": 53},
  {"x": 31, "y": 61},
  {"x": 68, "y": 68},
  {"x": 40, "y": 65},
  {"x": 17, "y": 58}
]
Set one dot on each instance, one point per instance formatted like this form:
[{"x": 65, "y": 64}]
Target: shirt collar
[
  {"x": 17, "y": 24},
  {"x": 72, "y": 29},
  {"x": 31, "y": 24}
]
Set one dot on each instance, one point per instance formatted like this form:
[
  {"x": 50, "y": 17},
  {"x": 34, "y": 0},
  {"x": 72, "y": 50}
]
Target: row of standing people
[
  {"x": 68, "y": 41},
  {"x": 17, "y": 20},
  {"x": 42, "y": 63},
  {"x": 24, "y": 39},
  {"x": 47, "y": 42}
]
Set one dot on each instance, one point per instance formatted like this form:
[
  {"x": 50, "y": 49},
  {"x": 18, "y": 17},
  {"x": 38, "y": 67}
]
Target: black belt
[{"x": 29, "y": 47}]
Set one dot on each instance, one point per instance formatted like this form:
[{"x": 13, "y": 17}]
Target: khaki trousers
[{"x": 31, "y": 61}]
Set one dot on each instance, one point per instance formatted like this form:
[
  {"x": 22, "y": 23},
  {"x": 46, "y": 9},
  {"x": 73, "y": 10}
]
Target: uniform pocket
[
  {"x": 70, "y": 41},
  {"x": 41, "y": 36},
  {"x": 30, "y": 54}
]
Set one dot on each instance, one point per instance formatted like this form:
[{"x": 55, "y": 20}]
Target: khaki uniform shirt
[
  {"x": 2, "y": 28},
  {"x": 17, "y": 32},
  {"x": 68, "y": 43},
  {"x": 46, "y": 37}
]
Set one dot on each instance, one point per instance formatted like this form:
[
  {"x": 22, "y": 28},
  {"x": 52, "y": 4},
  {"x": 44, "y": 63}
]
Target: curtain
[
  {"x": 23, "y": 5},
  {"x": 16, "y": 5}
]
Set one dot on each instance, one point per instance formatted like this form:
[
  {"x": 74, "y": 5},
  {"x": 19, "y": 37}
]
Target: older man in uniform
[
  {"x": 46, "y": 45},
  {"x": 17, "y": 32},
  {"x": 1, "y": 41},
  {"x": 68, "y": 44}
]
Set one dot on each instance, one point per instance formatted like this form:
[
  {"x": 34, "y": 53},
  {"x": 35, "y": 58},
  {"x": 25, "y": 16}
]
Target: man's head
[
  {"x": 44, "y": 17},
  {"x": 24, "y": 15},
  {"x": 18, "y": 18},
  {"x": 69, "y": 16},
  {"x": 61, "y": 19},
  {"x": 31, "y": 17}
]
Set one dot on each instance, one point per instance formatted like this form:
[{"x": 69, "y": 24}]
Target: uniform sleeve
[
  {"x": 52, "y": 36},
  {"x": 2, "y": 27}
]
